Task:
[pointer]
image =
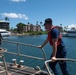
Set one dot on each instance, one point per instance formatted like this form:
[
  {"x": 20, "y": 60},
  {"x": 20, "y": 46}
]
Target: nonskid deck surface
[{"x": 24, "y": 70}]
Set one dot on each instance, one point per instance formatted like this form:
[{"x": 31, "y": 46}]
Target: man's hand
[
  {"x": 39, "y": 46},
  {"x": 53, "y": 59}
]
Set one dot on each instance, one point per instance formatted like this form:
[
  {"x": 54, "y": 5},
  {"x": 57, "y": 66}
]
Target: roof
[{"x": 4, "y": 21}]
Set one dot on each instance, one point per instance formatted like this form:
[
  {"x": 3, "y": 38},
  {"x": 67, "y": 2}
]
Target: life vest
[{"x": 50, "y": 38}]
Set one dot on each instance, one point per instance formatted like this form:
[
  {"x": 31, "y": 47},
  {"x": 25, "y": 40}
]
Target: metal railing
[
  {"x": 47, "y": 65},
  {"x": 38, "y": 58},
  {"x": 24, "y": 44}
]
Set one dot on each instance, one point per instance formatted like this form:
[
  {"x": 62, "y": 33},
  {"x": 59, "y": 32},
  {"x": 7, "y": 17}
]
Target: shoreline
[
  {"x": 24, "y": 34},
  {"x": 18, "y": 34}
]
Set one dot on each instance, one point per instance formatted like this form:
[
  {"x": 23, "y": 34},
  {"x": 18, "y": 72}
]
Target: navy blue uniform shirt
[{"x": 55, "y": 34}]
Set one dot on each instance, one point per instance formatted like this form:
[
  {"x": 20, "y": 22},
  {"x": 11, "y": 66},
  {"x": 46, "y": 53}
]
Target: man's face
[{"x": 47, "y": 26}]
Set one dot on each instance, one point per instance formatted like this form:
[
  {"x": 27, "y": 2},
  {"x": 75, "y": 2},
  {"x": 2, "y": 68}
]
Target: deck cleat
[
  {"x": 20, "y": 64},
  {"x": 14, "y": 61}
]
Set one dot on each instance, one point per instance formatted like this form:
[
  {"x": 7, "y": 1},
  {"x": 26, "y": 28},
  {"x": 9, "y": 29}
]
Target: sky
[{"x": 24, "y": 11}]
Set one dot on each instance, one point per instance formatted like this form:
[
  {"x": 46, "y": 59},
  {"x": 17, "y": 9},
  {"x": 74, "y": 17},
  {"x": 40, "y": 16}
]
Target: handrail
[
  {"x": 65, "y": 59},
  {"x": 20, "y": 43},
  {"x": 24, "y": 44}
]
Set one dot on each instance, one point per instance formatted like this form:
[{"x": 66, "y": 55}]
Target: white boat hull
[
  {"x": 5, "y": 33},
  {"x": 69, "y": 35}
]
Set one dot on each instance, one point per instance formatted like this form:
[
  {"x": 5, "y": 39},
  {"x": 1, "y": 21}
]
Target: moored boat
[
  {"x": 69, "y": 33},
  {"x": 5, "y": 33}
]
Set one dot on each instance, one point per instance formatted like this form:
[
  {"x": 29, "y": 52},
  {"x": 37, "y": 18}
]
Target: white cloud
[
  {"x": 14, "y": 15},
  {"x": 18, "y": 0}
]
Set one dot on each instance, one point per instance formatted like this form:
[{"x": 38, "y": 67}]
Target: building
[
  {"x": 38, "y": 28},
  {"x": 34, "y": 28},
  {"x": 24, "y": 28},
  {"x": 29, "y": 27},
  {"x": 4, "y": 25}
]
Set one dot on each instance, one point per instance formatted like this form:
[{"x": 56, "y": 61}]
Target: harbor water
[{"x": 37, "y": 40}]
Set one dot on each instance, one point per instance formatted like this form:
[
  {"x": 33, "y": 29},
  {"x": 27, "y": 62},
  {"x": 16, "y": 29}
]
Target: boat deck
[{"x": 24, "y": 70}]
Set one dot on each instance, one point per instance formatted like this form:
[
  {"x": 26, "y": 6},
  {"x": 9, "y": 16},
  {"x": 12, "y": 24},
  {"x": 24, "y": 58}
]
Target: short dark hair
[{"x": 48, "y": 21}]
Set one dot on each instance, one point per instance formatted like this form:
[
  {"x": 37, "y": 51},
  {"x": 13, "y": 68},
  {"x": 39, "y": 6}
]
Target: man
[{"x": 58, "y": 47}]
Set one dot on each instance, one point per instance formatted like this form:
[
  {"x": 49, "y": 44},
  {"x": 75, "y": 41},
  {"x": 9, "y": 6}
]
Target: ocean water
[{"x": 37, "y": 40}]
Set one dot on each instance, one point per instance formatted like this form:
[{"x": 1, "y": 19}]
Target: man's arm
[
  {"x": 54, "y": 48},
  {"x": 45, "y": 42}
]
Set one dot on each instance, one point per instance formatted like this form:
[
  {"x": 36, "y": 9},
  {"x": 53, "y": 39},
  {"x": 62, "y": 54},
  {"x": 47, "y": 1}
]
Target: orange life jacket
[{"x": 50, "y": 38}]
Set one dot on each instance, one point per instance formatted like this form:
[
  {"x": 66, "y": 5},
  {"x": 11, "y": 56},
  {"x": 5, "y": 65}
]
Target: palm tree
[
  {"x": 37, "y": 22},
  {"x": 40, "y": 23},
  {"x": 6, "y": 18},
  {"x": 61, "y": 25},
  {"x": 61, "y": 28},
  {"x": 28, "y": 23}
]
